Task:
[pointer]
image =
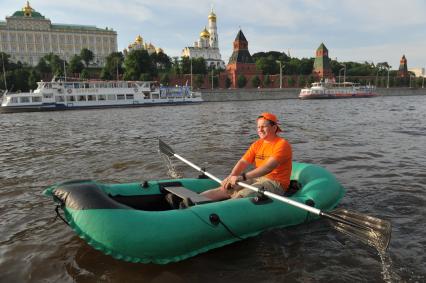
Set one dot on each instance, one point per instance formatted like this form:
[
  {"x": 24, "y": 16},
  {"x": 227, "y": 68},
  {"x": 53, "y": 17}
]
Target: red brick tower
[
  {"x": 322, "y": 67},
  {"x": 403, "y": 70},
  {"x": 241, "y": 62}
]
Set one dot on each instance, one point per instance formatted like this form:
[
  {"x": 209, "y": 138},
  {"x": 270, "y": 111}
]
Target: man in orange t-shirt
[{"x": 272, "y": 157}]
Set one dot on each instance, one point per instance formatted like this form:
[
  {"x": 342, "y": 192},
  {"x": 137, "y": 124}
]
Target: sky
[{"x": 352, "y": 30}]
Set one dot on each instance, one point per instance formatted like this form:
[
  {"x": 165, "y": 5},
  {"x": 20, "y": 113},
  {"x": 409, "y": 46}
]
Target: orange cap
[{"x": 270, "y": 117}]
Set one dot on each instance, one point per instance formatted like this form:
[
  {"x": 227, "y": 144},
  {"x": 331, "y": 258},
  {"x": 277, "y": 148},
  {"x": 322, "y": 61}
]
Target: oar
[{"x": 370, "y": 230}]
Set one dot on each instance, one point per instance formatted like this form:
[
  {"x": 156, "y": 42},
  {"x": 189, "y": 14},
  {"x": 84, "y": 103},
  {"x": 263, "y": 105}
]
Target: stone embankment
[{"x": 287, "y": 93}]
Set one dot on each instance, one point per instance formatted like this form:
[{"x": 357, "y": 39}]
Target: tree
[
  {"x": 136, "y": 63},
  {"x": 162, "y": 61},
  {"x": 51, "y": 63},
  {"x": 228, "y": 82},
  {"x": 267, "y": 81},
  {"x": 241, "y": 81},
  {"x": 255, "y": 82},
  {"x": 199, "y": 80},
  {"x": 33, "y": 78},
  {"x": 84, "y": 74},
  {"x": 165, "y": 79},
  {"x": 87, "y": 56},
  {"x": 113, "y": 67},
  {"x": 215, "y": 78},
  {"x": 76, "y": 66}
]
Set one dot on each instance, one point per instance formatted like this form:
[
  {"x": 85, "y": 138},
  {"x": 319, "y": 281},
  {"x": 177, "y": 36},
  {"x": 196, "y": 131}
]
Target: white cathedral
[{"x": 207, "y": 46}]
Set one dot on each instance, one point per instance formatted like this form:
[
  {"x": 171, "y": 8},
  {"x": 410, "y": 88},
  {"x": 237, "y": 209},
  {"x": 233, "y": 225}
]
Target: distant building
[
  {"x": 140, "y": 45},
  {"x": 207, "y": 46},
  {"x": 27, "y": 36},
  {"x": 403, "y": 70},
  {"x": 241, "y": 62},
  {"x": 419, "y": 72},
  {"x": 322, "y": 67}
]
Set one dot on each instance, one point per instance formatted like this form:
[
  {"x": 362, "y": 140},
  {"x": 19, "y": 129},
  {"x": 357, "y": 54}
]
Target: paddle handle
[{"x": 253, "y": 188}]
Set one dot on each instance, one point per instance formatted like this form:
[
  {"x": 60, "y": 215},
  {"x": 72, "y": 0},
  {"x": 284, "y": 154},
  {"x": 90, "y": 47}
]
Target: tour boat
[
  {"x": 162, "y": 221},
  {"x": 329, "y": 89},
  {"x": 66, "y": 95}
]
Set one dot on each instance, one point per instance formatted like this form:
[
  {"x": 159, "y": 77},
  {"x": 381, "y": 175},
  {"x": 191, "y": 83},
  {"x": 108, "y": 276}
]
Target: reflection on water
[{"x": 375, "y": 147}]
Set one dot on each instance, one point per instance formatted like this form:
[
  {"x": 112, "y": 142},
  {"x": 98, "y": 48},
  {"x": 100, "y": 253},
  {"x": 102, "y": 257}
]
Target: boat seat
[{"x": 188, "y": 197}]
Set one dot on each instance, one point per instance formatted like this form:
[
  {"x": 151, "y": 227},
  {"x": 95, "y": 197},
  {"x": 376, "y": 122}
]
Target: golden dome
[
  {"x": 212, "y": 16},
  {"x": 138, "y": 39},
  {"x": 27, "y": 9},
  {"x": 205, "y": 33}
]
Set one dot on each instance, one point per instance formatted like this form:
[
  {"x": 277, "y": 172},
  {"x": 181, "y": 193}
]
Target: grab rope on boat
[{"x": 58, "y": 214}]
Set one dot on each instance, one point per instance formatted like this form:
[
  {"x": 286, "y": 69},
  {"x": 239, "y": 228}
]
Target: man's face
[{"x": 265, "y": 129}]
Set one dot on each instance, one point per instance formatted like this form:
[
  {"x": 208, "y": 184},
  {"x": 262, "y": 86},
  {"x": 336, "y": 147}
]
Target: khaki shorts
[{"x": 261, "y": 182}]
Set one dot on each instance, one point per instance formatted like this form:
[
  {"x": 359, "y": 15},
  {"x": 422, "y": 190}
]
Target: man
[{"x": 272, "y": 157}]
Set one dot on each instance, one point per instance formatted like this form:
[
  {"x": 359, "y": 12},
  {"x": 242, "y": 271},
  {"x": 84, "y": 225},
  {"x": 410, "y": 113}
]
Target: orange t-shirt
[{"x": 260, "y": 151}]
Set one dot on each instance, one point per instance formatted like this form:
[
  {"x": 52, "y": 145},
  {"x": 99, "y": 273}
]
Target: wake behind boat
[
  {"x": 329, "y": 89},
  {"x": 67, "y": 95}
]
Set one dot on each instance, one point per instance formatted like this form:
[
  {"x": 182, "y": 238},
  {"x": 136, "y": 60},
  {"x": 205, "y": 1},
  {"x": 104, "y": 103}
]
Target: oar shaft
[
  {"x": 197, "y": 168},
  {"x": 269, "y": 194},
  {"x": 283, "y": 199}
]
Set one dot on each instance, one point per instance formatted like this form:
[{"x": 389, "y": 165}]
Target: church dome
[
  {"x": 138, "y": 39},
  {"x": 205, "y": 33},
  {"x": 212, "y": 16}
]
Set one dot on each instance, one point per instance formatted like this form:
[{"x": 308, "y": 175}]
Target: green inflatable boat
[{"x": 167, "y": 221}]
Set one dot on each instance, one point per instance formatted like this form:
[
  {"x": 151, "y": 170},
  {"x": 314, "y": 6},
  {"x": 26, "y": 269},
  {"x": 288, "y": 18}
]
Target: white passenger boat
[
  {"x": 67, "y": 95},
  {"x": 329, "y": 89}
]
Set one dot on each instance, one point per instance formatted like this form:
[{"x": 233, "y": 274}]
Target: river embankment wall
[{"x": 287, "y": 93}]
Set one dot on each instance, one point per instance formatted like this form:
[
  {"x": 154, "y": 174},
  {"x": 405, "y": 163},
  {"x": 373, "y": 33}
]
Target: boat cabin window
[
  {"x": 71, "y": 98},
  {"x": 91, "y": 97},
  {"x": 111, "y": 96},
  {"x": 81, "y": 98},
  {"x": 76, "y": 85},
  {"x": 48, "y": 95},
  {"x": 59, "y": 98},
  {"x": 129, "y": 96},
  {"x": 14, "y": 100},
  {"x": 120, "y": 97},
  {"x": 36, "y": 99},
  {"x": 24, "y": 99},
  {"x": 101, "y": 97}
]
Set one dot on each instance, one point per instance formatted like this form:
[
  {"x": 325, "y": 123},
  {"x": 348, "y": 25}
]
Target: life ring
[{"x": 69, "y": 90}]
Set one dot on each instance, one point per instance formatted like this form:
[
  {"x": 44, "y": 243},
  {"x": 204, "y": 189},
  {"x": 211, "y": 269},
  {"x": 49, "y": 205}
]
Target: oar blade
[
  {"x": 164, "y": 148},
  {"x": 370, "y": 230}
]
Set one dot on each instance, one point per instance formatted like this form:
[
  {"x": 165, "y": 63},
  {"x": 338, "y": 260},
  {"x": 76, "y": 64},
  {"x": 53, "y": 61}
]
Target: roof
[
  {"x": 240, "y": 36},
  {"x": 34, "y": 14},
  {"x": 322, "y": 47}
]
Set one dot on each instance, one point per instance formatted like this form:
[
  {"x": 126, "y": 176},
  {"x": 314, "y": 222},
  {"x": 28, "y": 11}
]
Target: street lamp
[
  {"x": 281, "y": 73},
  {"x": 377, "y": 76},
  {"x": 4, "y": 72},
  {"x": 190, "y": 59},
  {"x": 212, "y": 77},
  {"x": 387, "y": 85},
  {"x": 65, "y": 69}
]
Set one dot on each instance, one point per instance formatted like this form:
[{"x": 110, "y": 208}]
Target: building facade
[
  {"x": 322, "y": 67},
  {"x": 27, "y": 36},
  {"x": 207, "y": 46},
  {"x": 241, "y": 62}
]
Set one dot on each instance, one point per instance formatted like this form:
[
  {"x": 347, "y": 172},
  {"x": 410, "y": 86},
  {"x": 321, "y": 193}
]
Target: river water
[{"x": 375, "y": 147}]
